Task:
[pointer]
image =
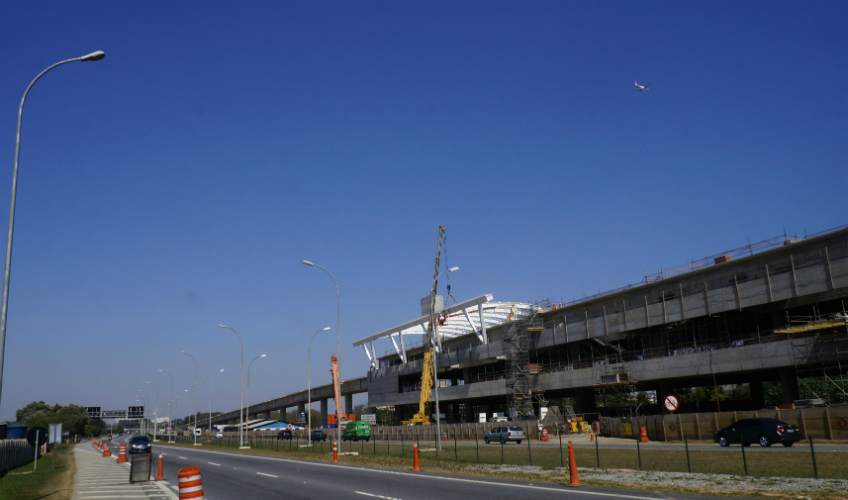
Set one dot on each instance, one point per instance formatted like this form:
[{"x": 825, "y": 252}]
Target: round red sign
[{"x": 672, "y": 403}]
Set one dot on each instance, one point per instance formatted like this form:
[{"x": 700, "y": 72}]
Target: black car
[
  {"x": 318, "y": 436},
  {"x": 764, "y": 431},
  {"x": 139, "y": 444},
  {"x": 285, "y": 434}
]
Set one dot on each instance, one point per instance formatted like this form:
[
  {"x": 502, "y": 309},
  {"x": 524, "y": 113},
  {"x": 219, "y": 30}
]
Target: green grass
[
  {"x": 53, "y": 484},
  {"x": 761, "y": 463}
]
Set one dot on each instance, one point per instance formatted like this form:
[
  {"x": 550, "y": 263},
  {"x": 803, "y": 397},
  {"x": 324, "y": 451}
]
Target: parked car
[
  {"x": 139, "y": 444},
  {"x": 354, "y": 431},
  {"x": 219, "y": 434},
  {"x": 764, "y": 431},
  {"x": 318, "y": 436},
  {"x": 505, "y": 433},
  {"x": 285, "y": 434}
]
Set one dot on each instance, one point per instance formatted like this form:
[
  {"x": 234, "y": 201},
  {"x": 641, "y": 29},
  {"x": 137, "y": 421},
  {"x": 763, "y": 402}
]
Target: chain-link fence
[{"x": 804, "y": 459}]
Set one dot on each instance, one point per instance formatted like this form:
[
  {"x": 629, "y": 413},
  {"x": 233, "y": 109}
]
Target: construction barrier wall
[{"x": 819, "y": 423}]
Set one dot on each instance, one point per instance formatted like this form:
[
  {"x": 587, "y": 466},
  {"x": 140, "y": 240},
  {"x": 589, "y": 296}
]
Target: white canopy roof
[{"x": 471, "y": 316}]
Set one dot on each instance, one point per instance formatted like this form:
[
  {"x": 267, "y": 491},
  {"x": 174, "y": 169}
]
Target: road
[{"x": 229, "y": 476}]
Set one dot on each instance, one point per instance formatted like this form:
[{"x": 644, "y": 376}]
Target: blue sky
[{"x": 178, "y": 183}]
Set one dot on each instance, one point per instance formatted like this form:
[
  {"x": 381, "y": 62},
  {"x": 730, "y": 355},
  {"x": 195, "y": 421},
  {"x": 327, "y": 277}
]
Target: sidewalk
[{"x": 102, "y": 478}]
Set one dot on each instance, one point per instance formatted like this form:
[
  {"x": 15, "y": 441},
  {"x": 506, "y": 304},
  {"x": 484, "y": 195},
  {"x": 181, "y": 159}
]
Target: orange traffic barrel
[
  {"x": 122, "y": 453},
  {"x": 190, "y": 484}
]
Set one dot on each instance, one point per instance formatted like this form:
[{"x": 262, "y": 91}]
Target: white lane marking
[
  {"x": 182, "y": 458},
  {"x": 175, "y": 488},
  {"x": 269, "y": 475},
  {"x": 455, "y": 479},
  {"x": 213, "y": 463},
  {"x": 375, "y": 496}
]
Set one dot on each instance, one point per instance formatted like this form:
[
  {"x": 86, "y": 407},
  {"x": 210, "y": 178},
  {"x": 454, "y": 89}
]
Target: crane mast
[{"x": 427, "y": 373}]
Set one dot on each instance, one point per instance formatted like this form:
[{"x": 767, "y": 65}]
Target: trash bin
[{"x": 140, "y": 466}]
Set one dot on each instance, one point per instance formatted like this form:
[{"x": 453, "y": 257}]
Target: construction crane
[
  {"x": 334, "y": 363},
  {"x": 427, "y": 373}
]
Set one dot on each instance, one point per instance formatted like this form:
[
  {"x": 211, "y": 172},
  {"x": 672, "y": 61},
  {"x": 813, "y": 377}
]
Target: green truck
[{"x": 354, "y": 431}]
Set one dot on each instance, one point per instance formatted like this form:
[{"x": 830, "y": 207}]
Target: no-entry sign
[{"x": 672, "y": 403}]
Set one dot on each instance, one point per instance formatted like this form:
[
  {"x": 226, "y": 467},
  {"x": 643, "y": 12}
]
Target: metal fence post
[
  {"x": 688, "y": 462},
  {"x": 598, "y": 452},
  {"x": 529, "y": 452},
  {"x": 455, "y": 455},
  {"x": 813, "y": 453},
  {"x": 502, "y": 443},
  {"x": 638, "y": 453},
  {"x": 477, "y": 443},
  {"x": 744, "y": 460},
  {"x": 561, "y": 462}
]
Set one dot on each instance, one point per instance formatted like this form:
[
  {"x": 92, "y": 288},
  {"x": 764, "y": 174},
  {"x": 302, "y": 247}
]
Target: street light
[
  {"x": 241, "y": 385},
  {"x": 248, "y": 384},
  {"x": 338, "y": 337},
  {"x": 4, "y": 309},
  {"x": 309, "y": 384},
  {"x": 210, "y": 399},
  {"x": 155, "y": 412},
  {"x": 195, "y": 396},
  {"x": 435, "y": 358},
  {"x": 142, "y": 414},
  {"x": 170, "y": 408}
]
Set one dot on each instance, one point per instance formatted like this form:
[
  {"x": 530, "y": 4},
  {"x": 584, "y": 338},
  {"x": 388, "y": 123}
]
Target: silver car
[{"x": 504, "y": 434}]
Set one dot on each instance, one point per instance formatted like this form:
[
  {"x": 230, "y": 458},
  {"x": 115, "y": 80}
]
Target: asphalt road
[{"x": 228, "y": 476}]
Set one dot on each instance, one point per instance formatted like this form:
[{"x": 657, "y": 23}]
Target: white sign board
[
  {"x": 55, "y": 433},
  {"x": 371, "y": 418},
  {"x": 482, "y": 419}
]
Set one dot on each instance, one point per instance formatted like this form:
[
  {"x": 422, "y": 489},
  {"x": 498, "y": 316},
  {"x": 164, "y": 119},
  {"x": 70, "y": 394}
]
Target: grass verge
[
  {"x": 45, "y": 482},
  {"x": 728, "y": 486}
]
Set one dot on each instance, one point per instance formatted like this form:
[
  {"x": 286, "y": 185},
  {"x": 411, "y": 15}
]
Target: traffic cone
[
  {"x": 335, "y": 451},
  {"x": 190, "y": 484},
  {"x": 106, "y": 452},
  {"x": 416, "y": 464},
  {"x": 643, "y": 434},
  {"x": 572, "y": 466},
  {"x": 122, "y": 454},
  {"x": 591, "y": 436},
  {"x": 446, "y": 436},
  {"x": 159, "y": 475}
]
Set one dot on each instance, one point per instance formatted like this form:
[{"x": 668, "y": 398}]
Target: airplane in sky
[{"x": 639, "y": 88}]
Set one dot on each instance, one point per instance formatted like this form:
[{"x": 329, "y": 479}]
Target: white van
[{"x": 197, "y": 432}]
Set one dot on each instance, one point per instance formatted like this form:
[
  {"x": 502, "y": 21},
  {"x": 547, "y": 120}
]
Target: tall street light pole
[
  {"x": 195, "y": 396},
  {"x": 435, "y": 357},
  {"x": 338, "y": 337},
  {"x": 309, "y": 384},
  {"x": 241, "y": 385},
  {"x": 4, "y": 308},
  {"x": 142, "y": 414},
  {"x": 155, "y": 412},
  {"x": 170, "y": 408},
  {"x": 248, "y": 384},
  {"x": 211, "y": 379}
]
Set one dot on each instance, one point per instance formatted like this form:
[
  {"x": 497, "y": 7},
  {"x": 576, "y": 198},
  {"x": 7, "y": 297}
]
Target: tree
[
  {"x": 35, "y": 414},
  {"x": 95, "y": 427},
  {"x": 359, "y": 410}
]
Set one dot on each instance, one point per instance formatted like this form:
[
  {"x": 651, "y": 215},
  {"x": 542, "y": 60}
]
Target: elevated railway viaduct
[{"x": 774, "y": 314}]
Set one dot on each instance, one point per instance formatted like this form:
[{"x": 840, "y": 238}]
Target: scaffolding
[{"x": 521, "y": 373}]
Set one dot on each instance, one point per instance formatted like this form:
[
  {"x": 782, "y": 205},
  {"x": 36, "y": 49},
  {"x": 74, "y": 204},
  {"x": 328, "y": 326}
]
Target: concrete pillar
[
  {"x": 470, "y": 417},
  {"x": 301, "y": 408},
  {"x": 788, "y": 384},
  {"x": 757, "y": 396},
  {"x": 663, "y": 390},
  {"x": 324, "y": 412},
  {"x": 348, "y": 404},
  {"x": 584, "y": 400}
]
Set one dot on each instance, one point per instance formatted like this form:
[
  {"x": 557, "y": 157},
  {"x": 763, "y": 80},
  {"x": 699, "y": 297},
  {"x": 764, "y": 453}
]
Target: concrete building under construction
[{"x": 768, "y": 312}]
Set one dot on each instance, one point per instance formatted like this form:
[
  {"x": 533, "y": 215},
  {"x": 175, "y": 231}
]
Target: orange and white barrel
[
  {"x": 190, "y": 484},
  {"x": 122, "y": 453}
]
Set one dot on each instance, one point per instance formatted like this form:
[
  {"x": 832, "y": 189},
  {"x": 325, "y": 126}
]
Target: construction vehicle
[
  {"x": 427, "y": 373},
  {"x": 334, "y": 363}
]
